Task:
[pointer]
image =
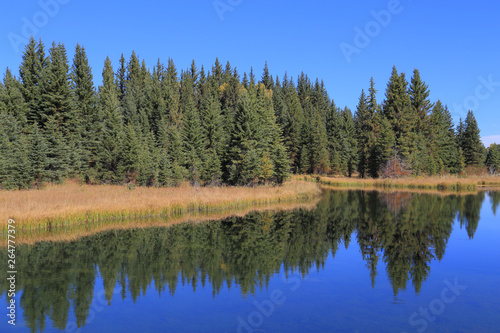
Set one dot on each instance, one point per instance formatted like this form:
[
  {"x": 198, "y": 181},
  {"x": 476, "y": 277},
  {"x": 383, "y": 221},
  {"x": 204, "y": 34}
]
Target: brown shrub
[{"x": 395, "y": 168}]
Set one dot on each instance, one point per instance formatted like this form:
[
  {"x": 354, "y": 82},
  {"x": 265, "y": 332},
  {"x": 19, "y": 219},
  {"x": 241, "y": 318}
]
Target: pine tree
[
  {"x": 173, "y": 124},
  {"x": 30, "y": 72},
  {"x": 131, "y": 154},
  {"x": 281, "y": 163},
  {"x": 471, "y": 142},
  {"x": 212, "y": 171},
  {"x": 86, "y": 120},
  {"x": 58, "y": 151},
  {"x": 56, "y": 90},
  {"x": 383, "y": 149},
  {"x": 38, "y": 154},
  {"x": 350, "y": 142},
  {"x": 419, "y": 96},
  {"x": 441, "y": 137},
  {"x": 109, "y": 154},
  {"x": 192, "y": 133},
  {"x": 13, "y": 100},
  {"x": 493, "y": 158},
  {"x": 319, "y": 144},
  {"x": 15, "y": 167},
  {"x": 266, "y": 79},
  {"x": 243, "y": 160},
  {"x": 334, "y": 131},
  {"x": 292, "y": 123},
  {"x": 365, "y": 129}
]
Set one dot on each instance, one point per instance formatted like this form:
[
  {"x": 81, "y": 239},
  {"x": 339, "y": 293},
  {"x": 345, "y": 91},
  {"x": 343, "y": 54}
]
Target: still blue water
[{"x": 360, "y": 262}]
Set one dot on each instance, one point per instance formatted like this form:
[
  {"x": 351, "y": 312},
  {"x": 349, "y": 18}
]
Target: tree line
[{"x": 162, "y": 127}]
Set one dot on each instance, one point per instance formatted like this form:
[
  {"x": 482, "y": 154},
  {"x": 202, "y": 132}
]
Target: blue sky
[{"x": 454, "y": 44}]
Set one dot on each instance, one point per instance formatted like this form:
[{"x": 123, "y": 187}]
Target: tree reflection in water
[{"x": 405, "y": 230}]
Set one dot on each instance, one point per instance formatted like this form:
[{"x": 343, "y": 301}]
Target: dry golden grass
[
  {"x": 65, "y": 204},
  {"x": 76, "y": 231},
  {"x": 447, "y": 182},
  {"x": 390, "y": 190}
]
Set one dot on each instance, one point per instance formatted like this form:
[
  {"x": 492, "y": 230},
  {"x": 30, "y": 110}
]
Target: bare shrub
[{"x": 395, "y": 168}]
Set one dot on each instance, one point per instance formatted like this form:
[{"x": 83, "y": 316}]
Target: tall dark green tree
[
  {"x": 86, "y": 120},
  {"x": 441, "y": 137},
  {"x": 192, "y": 132},
  {"x": 470, "y": 141},
  {"x": 33, "y": 64},
  {"x": 366, "y": 129},
  {"x": 12, "y": 98},
  {"x": 109, "y": 153},
  {"x": 419, "y": 96},
  {"x": 493, "y": 158}
]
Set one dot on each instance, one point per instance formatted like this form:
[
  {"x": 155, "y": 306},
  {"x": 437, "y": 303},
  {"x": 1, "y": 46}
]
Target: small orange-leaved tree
[{"x": 395, "y": 168}]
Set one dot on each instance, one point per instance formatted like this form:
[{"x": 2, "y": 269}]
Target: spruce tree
[
  {"x": 493, "y": 158},
  {"x": 292, "y": 123},
  {"x": 383, "y": 149},
  {"x": 56, "y": 90},
  {"x": 419, "y": 96},
  {"x": 192, "y": 133},
  {"x": 86, "y": 119},
  {"x": 266, "y": 79},
  {"x": 365, "y": 130},
  {"x": 243, "y": 161},
  {"x": 471, "y": 142},
  {"x": 38, "y": 154},
  {"x": 350, "y": 142},
  {"x": 441, "y": 137},
  {"x": 109, "y": 154},
  {"x": 58, "y": 151},
  {"x": 31, "y": 70},
  {"x": 13, "y": 100},
  {"x": 15, "y": 166}
]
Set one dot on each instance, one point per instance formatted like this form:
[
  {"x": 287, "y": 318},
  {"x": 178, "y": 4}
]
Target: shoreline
[
  {"x": 438, "y": 183},
  {"x": 71, "y": 203}
]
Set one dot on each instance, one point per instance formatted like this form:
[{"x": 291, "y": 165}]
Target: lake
[{"x": 361, "y": 261}]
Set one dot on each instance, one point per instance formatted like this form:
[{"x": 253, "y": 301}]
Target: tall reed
[{"x": 72, "y": 203}]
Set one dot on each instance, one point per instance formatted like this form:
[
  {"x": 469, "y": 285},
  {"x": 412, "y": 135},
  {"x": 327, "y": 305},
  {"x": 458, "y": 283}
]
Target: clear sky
[{"x": 454, "y": 44}]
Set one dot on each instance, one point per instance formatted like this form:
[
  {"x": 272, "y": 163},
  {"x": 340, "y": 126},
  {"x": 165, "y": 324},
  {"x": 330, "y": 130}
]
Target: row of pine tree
[{"x": 162, "y": 127}]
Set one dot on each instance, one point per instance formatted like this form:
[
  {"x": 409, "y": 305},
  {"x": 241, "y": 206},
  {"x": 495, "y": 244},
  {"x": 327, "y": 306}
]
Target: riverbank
[
  {"x": 441, "y": 183},
  {"x": 75, "y": 231},
  {"x": 72, "y": 203}
]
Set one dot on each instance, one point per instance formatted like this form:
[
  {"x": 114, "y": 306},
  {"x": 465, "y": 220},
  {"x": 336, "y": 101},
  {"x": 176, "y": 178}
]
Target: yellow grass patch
[
  {"x": 61, "y": 205},
  {"x": 448, "y": 182},
  {"x": 78, "y": 230}
]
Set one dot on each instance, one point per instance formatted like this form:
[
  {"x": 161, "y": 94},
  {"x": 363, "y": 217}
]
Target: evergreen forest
[{"x": 214, "y": 126}]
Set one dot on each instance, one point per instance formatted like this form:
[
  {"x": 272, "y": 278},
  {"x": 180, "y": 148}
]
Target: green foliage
[
  {"x": 493, "y": 158},
  {"x": 109, "y": 152},
  {"x": 470, "y": 141},
  {"x": 212, "y": 127}
]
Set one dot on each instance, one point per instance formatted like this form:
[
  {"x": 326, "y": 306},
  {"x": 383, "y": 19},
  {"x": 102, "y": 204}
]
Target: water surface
[{"x": 361, "y": 261}]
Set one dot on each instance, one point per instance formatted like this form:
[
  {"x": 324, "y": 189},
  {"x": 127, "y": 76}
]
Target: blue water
[{"x": 283, "y": 272}]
